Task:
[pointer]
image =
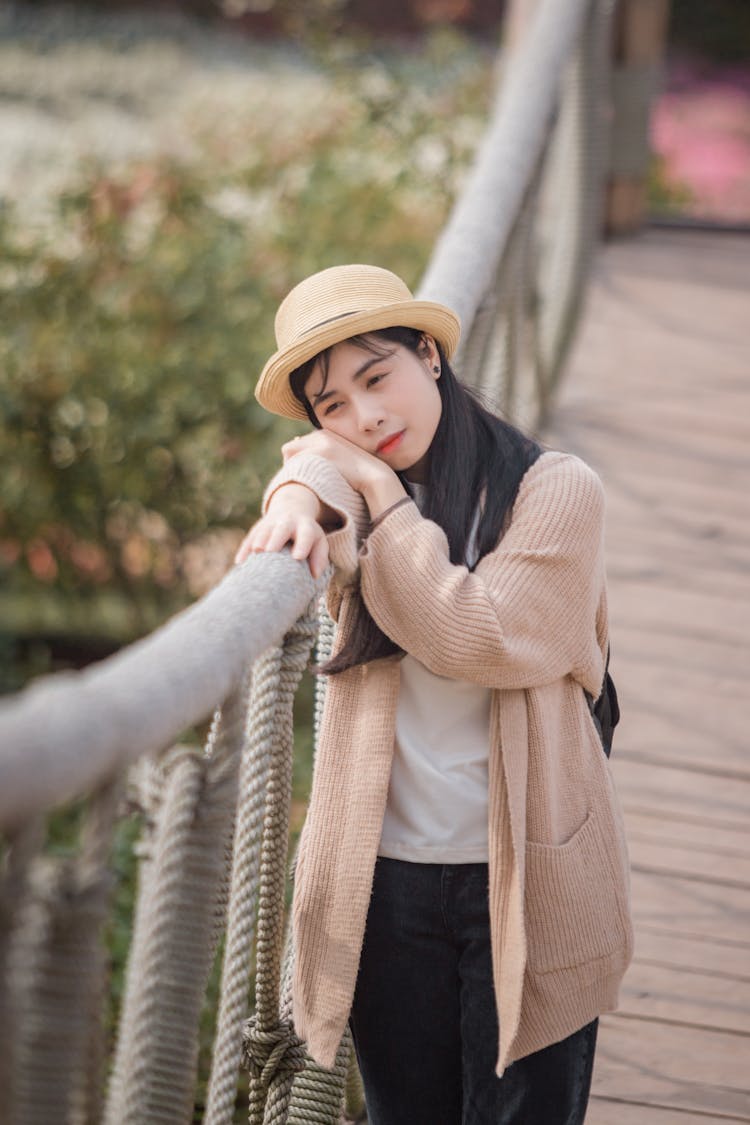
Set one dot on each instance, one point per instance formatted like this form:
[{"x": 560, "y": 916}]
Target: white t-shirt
[{"x": 437, "y": 796}]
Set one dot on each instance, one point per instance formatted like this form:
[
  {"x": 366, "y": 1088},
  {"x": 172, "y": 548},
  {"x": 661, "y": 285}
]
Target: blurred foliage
[
  {"x": 136, "y": 318},
  {"x": 664, "y": 194},
  {"x": 316, "y": 17}
]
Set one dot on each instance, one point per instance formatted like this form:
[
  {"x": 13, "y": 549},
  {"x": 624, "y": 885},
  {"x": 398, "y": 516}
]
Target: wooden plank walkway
[{"x": 657, "y": 399}]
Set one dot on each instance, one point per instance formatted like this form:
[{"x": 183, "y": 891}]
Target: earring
[{"x": 436, "y": 369}]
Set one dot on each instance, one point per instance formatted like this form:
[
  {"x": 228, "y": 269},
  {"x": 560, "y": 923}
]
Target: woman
[{"x": 461, "y": 893}]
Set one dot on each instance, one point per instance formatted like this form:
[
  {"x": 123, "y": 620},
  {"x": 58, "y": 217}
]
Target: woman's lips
[{"x": 390, "y": 444}]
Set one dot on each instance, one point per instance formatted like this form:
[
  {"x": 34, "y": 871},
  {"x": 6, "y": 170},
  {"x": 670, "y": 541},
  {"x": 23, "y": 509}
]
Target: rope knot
[{"x": 268, "y": 1052}]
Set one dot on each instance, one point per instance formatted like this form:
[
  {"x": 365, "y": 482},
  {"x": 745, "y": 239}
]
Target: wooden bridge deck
[{"x": 657, "y": 399}]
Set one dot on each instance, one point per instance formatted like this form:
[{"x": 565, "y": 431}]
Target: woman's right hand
[{"x": 292, "y": 518}]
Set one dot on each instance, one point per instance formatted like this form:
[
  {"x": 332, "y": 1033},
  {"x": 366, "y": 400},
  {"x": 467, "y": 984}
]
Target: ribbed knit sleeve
[
  {"x": 527, "y": 615},
  {"x": 325, "y": 480}
]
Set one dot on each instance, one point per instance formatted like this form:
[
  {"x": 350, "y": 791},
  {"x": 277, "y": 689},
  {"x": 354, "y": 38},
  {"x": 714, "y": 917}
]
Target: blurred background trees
[
  {"x": 262, "y": 139},
  {"x": 137, "y": 310}
]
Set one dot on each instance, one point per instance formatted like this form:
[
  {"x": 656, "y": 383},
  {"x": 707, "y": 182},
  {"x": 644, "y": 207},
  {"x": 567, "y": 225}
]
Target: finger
[
  {"x": 260, "y": 536},
  {"x": 280, "y": 534},
  {"x": 319, "y": 556},
  {"x": 304, "y": 539},
  {"x": 252, "y": 541},
  {"x": 242, "y": 551}
]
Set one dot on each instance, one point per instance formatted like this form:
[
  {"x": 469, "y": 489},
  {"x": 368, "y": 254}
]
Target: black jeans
[{"x": 424, "y": 1019}]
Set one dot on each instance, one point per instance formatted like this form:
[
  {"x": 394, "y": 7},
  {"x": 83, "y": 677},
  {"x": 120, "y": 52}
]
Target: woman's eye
[
  {"x": 330, "y": 409},
  {"x": 375, "y": 379}
]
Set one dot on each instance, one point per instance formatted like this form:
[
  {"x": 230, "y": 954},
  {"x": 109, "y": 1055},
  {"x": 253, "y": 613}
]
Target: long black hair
[{"x": 472, "y": 450}]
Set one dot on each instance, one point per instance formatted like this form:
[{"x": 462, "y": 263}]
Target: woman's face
[{"x": 386, "y": 402}]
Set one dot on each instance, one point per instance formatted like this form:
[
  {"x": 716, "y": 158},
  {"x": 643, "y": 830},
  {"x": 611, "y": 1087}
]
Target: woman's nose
[{"x": 369, "y": 416}]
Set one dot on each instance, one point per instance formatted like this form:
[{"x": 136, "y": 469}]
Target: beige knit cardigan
[{"x": 530, "y": 622}]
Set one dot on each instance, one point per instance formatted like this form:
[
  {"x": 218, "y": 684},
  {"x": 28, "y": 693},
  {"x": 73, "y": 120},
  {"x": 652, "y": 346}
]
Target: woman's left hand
[{"x": 359, "y": 468}]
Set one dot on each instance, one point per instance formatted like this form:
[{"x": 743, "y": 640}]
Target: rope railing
[
  {"x": 467, "y": 253},
  {"x": 68, "y": 732},
  {"x": 513, "y": 257},
  {"x": 512, "y": 261}
]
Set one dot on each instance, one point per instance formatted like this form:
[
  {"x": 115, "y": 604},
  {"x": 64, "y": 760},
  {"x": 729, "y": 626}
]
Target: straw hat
[{"x": 334, "y": 304}]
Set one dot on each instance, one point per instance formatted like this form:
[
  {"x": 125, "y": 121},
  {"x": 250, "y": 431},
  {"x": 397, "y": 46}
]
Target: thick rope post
[
  {"x": 323, "y": 650},
  {"x": 317, "y": 1094},
  {"x": 272, "y": 1052},
  {"x": 20, "y": 851},
  {"x": 173, "y": 946},
  {"x": 56, "y": 976},
  {"x": 243, "y": 892}
]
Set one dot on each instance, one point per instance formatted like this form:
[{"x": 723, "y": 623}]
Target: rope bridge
[{"x": 512, "y": 261}]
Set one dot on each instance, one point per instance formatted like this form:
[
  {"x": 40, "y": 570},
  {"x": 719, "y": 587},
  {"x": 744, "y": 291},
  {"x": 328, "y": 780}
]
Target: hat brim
[{"x": 273, "y": 390}]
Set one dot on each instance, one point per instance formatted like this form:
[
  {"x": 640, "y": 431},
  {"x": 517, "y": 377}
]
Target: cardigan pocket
[{"x": 573, "y": 910}]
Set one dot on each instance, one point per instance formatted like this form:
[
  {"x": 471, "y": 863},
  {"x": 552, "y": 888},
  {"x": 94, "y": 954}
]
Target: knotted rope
[
  {"x": 318, "y": 1095},
  {"x": 270, "y": 1050},
  {"x": 270, "y": 1092},
  {"x": 241, "y": 903},
  {"x": 272, "y": 1055}
]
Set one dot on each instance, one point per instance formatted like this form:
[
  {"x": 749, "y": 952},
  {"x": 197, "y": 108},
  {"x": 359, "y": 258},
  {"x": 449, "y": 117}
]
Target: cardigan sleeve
[
  {"x": 527, "y": 614},
  {"x": 331, "y": 488}
]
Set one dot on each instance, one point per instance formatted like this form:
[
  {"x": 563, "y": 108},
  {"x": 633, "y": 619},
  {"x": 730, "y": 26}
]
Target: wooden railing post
[{"x": 638, "y": 43}]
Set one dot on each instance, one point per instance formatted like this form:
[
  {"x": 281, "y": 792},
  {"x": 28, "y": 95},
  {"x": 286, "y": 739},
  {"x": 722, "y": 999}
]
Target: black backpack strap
[{"x": 605, "y": 710}]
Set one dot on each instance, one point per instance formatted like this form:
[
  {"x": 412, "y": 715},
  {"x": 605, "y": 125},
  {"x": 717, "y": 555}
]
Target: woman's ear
[{"x": 429, "y": 353}]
